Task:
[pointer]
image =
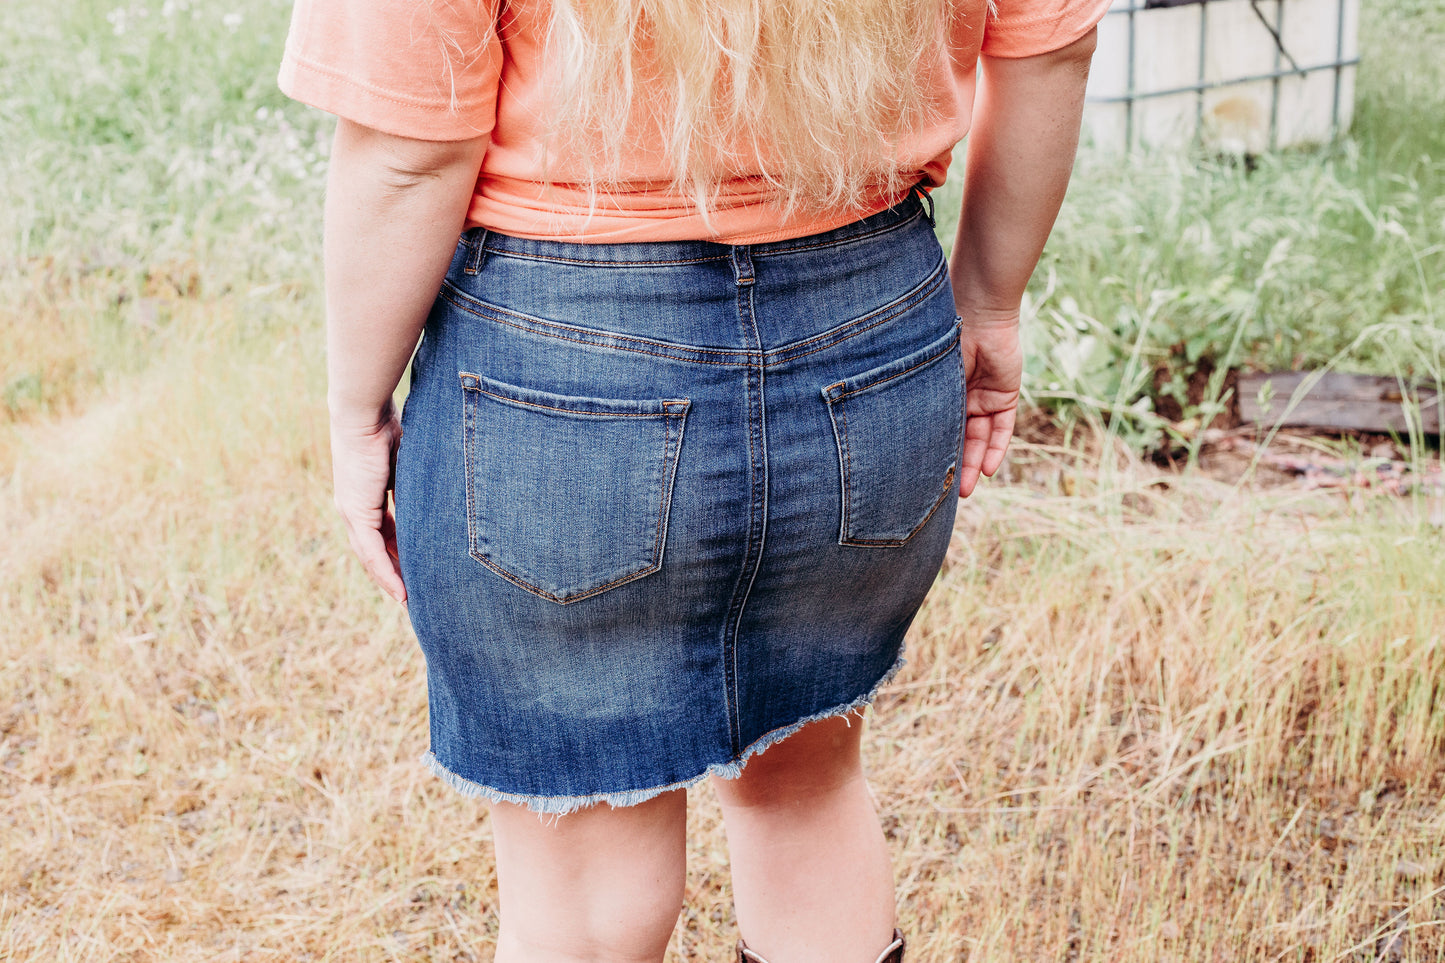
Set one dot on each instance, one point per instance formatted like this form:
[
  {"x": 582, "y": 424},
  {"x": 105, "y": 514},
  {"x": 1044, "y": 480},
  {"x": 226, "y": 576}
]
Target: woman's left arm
[
  {"x": 1020, "y": 155},
  {"x": 394, "y": 210}
]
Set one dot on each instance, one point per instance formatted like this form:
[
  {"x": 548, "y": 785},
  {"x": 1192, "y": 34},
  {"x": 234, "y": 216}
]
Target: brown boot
[{"x": 893, "y": 954}]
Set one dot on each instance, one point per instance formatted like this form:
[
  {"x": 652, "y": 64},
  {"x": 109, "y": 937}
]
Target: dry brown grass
[{"x": 1148, "y": 720}]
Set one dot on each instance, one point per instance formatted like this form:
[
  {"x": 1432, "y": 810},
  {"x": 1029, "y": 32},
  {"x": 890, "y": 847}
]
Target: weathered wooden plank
[{"x": 1334, "y": 400}]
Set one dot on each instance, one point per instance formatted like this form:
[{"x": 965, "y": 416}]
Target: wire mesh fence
[{"x": 1241, "y": 76}]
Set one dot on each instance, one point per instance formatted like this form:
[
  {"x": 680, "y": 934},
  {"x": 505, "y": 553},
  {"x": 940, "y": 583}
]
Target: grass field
[{"x": 1146, "y": 717}]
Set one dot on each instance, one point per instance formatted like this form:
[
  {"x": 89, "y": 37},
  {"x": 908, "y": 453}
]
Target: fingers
[
  {"x": 974, "y": 449},
  {"x": 967, "y": 481},
  {"x": 976, "y": 433},
  {"x": 363, "y": 467},
  {"x": 985, "y": 442},
  {"x": 1001, "y": 431},
  {"x": 388, "y": 532},
  {"x": 376, "y": 548}
]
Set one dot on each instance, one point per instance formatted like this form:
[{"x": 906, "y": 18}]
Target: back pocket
[
  {"x": 898, "y": 430},
  {"x": 568, "y": 497}
]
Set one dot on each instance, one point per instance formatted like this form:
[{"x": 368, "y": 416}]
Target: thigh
[
  {"x": 596, "y": 880},
  {"x": 812, "y": 762}
]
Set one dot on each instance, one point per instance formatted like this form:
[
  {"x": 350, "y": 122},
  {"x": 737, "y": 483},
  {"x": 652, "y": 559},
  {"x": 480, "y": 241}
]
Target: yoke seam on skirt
[
  {"x": 594, "y": 337},
  {"x": 785, "y": 353},
  {"x": 770, "y": 357},
  {"x": 562, "y": 805}
]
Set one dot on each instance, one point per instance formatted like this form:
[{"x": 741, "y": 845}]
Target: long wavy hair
[{"x": 814, "y": 95}]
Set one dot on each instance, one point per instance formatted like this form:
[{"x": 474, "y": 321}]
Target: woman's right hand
[
  {"x": 395, "y": 207},
  {"x": 363, "y": 455}
]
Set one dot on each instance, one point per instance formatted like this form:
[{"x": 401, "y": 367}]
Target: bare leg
[
  {"x": 601, "y": 885},
  {"x": 811, "y": 876}
]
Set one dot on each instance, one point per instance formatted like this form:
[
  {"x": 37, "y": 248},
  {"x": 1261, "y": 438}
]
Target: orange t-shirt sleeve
[
  {"x": 426, "y": 69},
  {"x": 1024, "y": 28}
]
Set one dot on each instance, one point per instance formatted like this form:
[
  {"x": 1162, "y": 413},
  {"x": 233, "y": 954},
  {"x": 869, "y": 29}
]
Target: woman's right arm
[
  {"x": 1020, "y": 154},
  {"x": 394, "y": 210}
]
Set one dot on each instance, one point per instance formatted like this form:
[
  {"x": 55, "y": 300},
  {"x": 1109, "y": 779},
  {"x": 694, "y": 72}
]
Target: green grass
[
  {"x": 151, "y": 135},
  {"x": 150, "y": 127},
  {"x": 1166, "y": 267},
  {"x": 150, "y": 163}
]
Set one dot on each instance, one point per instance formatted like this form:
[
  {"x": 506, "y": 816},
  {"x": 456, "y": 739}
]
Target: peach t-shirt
[{"x": 455, "y": 69}]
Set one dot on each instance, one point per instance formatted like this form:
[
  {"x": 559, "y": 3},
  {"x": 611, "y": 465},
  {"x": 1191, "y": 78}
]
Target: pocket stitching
[
  {"x": 504, "y": 399},
  {"x": 898, "y": 542},
  {"x": 478, "y": 383},
  {"x": 671, "y": 456},
  {"x": 833, "y": 395},
  {"x": 845, "y": 459},
  {"x": 543, "y": 593}
]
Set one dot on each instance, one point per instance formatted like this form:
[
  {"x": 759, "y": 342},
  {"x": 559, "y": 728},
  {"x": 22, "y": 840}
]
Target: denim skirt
[{"x": 658, "y": 505}]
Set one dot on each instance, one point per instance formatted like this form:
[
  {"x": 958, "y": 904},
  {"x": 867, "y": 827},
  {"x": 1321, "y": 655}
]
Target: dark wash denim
[{"x": 660, "y": 504}]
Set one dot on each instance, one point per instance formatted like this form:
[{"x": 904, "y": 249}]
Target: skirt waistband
[{"x": 481, "y": 241}]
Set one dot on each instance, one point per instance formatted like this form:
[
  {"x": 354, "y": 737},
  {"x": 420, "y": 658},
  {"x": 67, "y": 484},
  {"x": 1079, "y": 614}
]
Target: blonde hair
[{"x": 815, "y": 95}]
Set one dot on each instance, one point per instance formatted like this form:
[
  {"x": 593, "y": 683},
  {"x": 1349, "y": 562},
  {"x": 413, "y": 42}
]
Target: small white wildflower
[
  {"x": 116, "y": 18},
  {"x": 262, "y": 113},
  {"x": 231, "y": 21}
]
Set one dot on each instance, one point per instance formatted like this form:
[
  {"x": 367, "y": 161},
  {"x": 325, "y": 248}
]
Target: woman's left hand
[
  {"x": 1020, "y": 154},
  {"x": 993, "y": 365},
  {"x": 363, "y": 454}
]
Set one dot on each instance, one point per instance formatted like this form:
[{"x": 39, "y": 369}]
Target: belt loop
[
  {"x": 743, "y": 264},
  {"x": 478, "y": 252},
  {"x": 926, "y": 199}
]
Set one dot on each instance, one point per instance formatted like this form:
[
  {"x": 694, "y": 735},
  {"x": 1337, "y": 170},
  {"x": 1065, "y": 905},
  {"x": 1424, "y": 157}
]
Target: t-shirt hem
[
  {"x": 1016, "y": 39},
  {"x": 684, "y": 227}
]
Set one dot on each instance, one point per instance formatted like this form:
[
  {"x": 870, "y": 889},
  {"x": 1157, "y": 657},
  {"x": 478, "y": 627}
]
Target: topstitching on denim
[
  {"x": 838, "y": 390},
  {"x": 848, "y": 329},
  {"x": 593, "y": 336},
  {"x": 673, "y": 412},
  {"x": 757, "y": 527},
  {"x": 500, "y": 251},
  {"x": 697, "y": 354}
]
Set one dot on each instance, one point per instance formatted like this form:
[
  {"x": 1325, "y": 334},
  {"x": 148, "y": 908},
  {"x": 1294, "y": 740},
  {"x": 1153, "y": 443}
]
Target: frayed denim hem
[{"x": 561, "y": 805}]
